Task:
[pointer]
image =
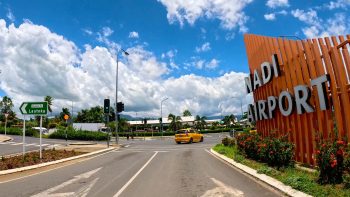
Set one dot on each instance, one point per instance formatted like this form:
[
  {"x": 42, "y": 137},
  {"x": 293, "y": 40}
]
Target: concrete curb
[
  {"x": 262, "y": 177},
  {"x": 4, "y": 138},
  {"x": 5, "y": 172}
]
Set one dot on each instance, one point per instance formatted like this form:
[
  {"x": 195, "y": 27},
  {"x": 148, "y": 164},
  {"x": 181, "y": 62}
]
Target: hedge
[
  {"x": 18, "y": 131},
  {"x": 78, "y": 135}
]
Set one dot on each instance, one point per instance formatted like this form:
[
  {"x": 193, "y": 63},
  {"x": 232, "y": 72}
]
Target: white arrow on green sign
[{"x": 34, "y": 108}]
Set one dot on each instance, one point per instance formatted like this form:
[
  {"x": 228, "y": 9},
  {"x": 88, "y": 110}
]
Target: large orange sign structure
[{"x": 307, "y": 70}]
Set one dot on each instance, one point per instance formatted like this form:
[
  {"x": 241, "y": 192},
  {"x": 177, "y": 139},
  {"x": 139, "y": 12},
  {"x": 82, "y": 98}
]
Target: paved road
[{"x": 143, "y": 168}]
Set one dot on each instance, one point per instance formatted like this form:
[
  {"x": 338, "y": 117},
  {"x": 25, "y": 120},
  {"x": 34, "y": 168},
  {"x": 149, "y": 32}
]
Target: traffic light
[
  {"x": 120, "y": 107},
  {"x": 106, "y": 106},
  {"x": 160, "y": 120},
  {"x": 145, "y": 121}
]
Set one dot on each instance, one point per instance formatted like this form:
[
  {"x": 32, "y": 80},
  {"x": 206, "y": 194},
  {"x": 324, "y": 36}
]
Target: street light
[
  {"x": 116, "y": 94},
  {"x": 161, "y": 115},
  {"x": 240, "y": 99}
]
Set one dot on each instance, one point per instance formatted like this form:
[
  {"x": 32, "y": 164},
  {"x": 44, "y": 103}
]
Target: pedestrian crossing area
[{"x": 21, "y": 144}]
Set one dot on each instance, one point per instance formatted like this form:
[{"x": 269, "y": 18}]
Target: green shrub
[
  {"x": 275, "y": 151},
  {"x": 228, "y": 141},
  {"x": 73, "y": 134}
]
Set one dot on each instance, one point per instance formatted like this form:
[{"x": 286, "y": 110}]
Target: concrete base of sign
[{"x": 262, "y": 177}]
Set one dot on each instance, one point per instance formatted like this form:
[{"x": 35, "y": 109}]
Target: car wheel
[
  {"x": 178, "y": 142},
  {"x": 201, "y": 139},
  {"x": 191, "y": 140}
]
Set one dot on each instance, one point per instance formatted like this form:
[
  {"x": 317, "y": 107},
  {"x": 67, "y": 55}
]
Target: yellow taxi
[
  {"x": 188, "y": 135},
  {"x": 253, "y": 131}
]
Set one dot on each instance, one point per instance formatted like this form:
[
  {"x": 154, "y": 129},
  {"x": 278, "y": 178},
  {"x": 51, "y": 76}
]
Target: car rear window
[{"x": 181, "y": 131}]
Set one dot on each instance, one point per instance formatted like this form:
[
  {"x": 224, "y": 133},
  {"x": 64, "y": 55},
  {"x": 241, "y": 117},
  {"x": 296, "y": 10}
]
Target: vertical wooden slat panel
[{"x": 301, "y": 61}]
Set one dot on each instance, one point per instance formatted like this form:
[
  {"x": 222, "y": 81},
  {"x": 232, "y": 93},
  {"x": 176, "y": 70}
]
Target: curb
[
  {"x": 288, "y": 190},
  {"x": 6, "y": 140},
  {"x": 5, "y": 172}
]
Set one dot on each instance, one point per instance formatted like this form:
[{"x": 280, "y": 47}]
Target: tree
[
  {"x": 64, "y": 112},
  {"x": 49, "y": 100},
  {"x": 92, "y": 115},
  {"x": 175, "y": 122},
  {"x": 200, "y": 122},
  {"x": 228, "y": 120},
  {"x": 186, "y": 113},
  {"x": 6, "y": 106}
]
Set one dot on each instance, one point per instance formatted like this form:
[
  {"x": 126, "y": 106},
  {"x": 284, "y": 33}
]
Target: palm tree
[
  {"x": 49, "y": 100},
  {"x": 175, "y": 123},
  {"x": 228, "y": 120},
  {"x": 200, "y": 122},
  {"x": 186, "y": 113}
]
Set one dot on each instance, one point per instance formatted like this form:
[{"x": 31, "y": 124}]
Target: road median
[{"x": 87, "y": 151}]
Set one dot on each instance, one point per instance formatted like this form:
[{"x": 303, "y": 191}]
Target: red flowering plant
[
  {"x": 330, "y": 160},
  {"x": 275, "y": 151}
]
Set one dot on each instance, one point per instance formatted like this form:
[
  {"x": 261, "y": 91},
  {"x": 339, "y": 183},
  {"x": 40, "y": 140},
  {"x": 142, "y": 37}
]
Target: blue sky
[{"x": 187, "y": 40}]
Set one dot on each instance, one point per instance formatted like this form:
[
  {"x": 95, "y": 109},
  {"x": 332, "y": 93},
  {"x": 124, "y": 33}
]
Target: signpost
[
  {"x": 6, "y": 115},
  {"x": 33, "y": 108},
  {"x": 66, "y": 117}
]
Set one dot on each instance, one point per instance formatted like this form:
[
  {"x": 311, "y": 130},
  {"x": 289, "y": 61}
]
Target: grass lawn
[{"x": 296, "y": 178}]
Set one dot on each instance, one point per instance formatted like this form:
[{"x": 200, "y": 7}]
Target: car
[
  {"x": 43, "y": 129},
  {"x": 188, "y": 136},
  {"x": 253, "y": 131}
]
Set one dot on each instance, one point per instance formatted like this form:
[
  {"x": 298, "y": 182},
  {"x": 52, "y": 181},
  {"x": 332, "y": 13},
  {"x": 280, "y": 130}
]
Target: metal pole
[
  {"x": 116, "y": 102},
  {"x": 5, "y": 123},
  {"x": 66, "y": 133},
  {"x": 107, "y": 120},
  {"x": 161, "y": 118},
  {"x": 41, "y": 125},
  {"x": 24, "y": 134},
  {"x": 161, "y": 115}
]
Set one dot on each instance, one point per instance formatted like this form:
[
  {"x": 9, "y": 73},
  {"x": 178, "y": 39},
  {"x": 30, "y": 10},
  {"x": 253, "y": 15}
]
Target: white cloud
[
  {"x": 88, "y": 31},
  {"x": 338, "y": 4},
  {"x": 203, "y": 64},
  {"x": 212, "y": 64},
  {"x": 37, "y": 62},
  {"x": 205, "y": 47},
  {"x": 229, "y": 12},
  {"x": 10, "y": 15},
  {"x": 317, "y": 27},
  {"x": 277, "y": 3},
  {"x": 133, "y": 34},
  {"x": 270, "y": 17},
  {"x": 230, "y": 36},
  {"x": 273, "y": 16}
]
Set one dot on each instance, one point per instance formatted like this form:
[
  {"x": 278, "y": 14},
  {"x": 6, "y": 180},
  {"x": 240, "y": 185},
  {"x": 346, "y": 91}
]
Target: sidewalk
[{"x": 4, "y": 138}]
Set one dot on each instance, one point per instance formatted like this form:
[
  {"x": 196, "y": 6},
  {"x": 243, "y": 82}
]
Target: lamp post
[
  {"x": 240, "y": 99},
  {"x": 116, "y": 94},
  {"x": 161, "y": 115}
]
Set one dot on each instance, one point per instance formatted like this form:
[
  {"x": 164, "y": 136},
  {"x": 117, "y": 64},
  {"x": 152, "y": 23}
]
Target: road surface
[{"x": 143, "y": 168}]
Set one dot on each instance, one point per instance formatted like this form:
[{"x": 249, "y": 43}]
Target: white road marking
[
  {"x": 133, "y": 178},
  {"x": 222, "y": 190},
  {"x": 64, "y": 184},
  {"x": 126, "y": 146},
  {"x": 14, "y": 144}
]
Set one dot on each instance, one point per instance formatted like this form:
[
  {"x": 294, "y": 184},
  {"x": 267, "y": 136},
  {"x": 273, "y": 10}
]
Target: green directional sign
[{"x": 34, "y": 108}]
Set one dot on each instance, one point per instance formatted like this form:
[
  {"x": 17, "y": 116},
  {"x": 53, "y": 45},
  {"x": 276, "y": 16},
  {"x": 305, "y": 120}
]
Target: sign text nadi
[{"x": 286, "y": 101}]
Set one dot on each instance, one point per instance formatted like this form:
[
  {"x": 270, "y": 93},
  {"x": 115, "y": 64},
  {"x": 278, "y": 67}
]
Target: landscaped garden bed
[
  {"x": 33, "y": 158},
  {"x": 273, "y": 157}
]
